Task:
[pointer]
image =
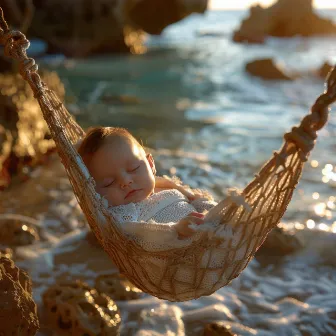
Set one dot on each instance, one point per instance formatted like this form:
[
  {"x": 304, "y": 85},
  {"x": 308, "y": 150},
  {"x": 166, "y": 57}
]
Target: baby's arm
[
  {"x": 200, "y": 199},
  {"x": 203, "y": 204},
  {"x": 158, "y": 236},
  {"x": 165, "y": 183}
]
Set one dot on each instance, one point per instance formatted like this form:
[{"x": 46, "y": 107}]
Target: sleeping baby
[{"x": 125, "y": 176}]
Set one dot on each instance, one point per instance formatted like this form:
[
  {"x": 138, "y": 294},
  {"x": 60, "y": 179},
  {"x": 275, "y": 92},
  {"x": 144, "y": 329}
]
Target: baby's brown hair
[{"x": 97, "y": 136}]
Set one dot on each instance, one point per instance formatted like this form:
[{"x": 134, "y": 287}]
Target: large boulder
[
  {"x": 286, "y": 18},
  {"x": 24, "y": 135},
  {"x": 18, "y": 311},
  {"x": 84, "y": 27},
  {"x": 74, "y": 28}
]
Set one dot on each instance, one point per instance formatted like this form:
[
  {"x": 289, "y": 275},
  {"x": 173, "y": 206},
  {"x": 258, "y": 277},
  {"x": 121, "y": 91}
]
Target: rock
[
  {"x": 285, "y": 18},
  {"x": 324, "y": 70},
  {"x": 117, "y": 287},
  {"x": 217, "y": 329},
  {"x": 18, "y": 312},
  {"x": 75, "y": 28},
  {"x": 280, "y": 243},
  {"x": 84, "y": 27},
  {"x": 17, "y": 233},
  {"x": 24, "y": 135},
  {"x": 74, "y": 308},
  {"x": 266, "y": 69},
  {"x": 154, "y": 15},
  {"x": 248, "y": 37}
]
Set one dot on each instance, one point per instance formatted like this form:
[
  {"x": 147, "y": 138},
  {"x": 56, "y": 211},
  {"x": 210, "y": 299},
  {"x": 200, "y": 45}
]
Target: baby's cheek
[{"x": 116, "y": 197}]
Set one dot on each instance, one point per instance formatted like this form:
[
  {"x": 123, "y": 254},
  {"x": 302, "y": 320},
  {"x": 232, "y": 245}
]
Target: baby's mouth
[{"x": 131, "y": 193}]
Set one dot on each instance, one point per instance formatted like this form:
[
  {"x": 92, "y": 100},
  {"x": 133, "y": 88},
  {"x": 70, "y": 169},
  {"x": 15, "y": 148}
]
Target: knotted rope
[
  {"x": 16, "y": 45},
  {"x": 305, "y": 134}
]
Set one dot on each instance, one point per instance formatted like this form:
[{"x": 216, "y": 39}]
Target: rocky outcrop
[
  {"x": 74, "y": 28},
  {"x": 18, "y": 312},
  {"x": 285, "y": 18},
  {"x": 266, "y": 69},
  {"x": 24, "y": 135},
  {"x": 81, "y": 28},
  {"x": 75, "y": 308}
]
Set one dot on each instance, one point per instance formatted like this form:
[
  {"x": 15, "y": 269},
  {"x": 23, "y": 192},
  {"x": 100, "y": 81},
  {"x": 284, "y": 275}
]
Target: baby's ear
[{"x": 151, "y": 162}]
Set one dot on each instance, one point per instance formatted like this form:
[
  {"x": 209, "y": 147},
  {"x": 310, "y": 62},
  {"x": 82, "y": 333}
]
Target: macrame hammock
[{"x": 209, "y": 262}]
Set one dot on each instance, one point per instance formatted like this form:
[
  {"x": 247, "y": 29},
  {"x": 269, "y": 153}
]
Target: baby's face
[{"x": 122, "y": 171}]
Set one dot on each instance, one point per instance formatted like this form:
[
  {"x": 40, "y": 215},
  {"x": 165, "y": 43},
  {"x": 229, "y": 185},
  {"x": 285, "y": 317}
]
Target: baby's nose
[{"x": 126, "y": 181}]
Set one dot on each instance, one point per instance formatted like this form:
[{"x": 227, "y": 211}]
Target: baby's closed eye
[
  {"x": 108, "y": 183},
  {"x": 133, "y": 169}
]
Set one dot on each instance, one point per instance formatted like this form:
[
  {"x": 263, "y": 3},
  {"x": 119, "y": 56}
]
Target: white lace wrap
[{"x": 151, "y": 221}]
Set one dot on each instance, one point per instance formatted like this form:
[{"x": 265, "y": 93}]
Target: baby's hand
[
  {"x": 196, "y": 194},
  {"x": 182, "y": 227}
]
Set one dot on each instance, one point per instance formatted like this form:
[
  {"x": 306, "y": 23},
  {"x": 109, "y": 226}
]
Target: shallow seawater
[{"x": 214, "y": 126}]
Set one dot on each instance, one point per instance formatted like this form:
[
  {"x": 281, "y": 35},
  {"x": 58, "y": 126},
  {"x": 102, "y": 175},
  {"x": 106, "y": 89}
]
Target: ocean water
[{"x": 213, "y": 125}]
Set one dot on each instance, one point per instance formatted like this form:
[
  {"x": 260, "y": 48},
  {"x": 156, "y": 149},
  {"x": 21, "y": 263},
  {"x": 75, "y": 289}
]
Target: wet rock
[
  {"x": 285, "y": 18},
  {"x": 266, "y": 69},
  {"x": 117, "y": 287},
  {"x": 75, "y": 28},
  {"x": 154, "y": 15},
  {"x": 280, "y": 243},
  {"x": 74, "y": 308},
  {"x": 81, "y": 28},
  {"x": 324, "y": 70},
  {"x": 217, "y": 329},
  {"x": 18, "y": 312},
  {"x": 24, "y": 136},
  {"x": 17, "y": 233}
]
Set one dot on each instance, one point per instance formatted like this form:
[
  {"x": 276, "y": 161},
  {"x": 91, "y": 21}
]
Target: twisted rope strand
[
  {"x": 16, "y": 45},
  {"x": 305, "y": 134}
]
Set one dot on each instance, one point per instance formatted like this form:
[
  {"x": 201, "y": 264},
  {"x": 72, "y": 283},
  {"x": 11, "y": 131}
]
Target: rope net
[{"x": 210, "y": 262}]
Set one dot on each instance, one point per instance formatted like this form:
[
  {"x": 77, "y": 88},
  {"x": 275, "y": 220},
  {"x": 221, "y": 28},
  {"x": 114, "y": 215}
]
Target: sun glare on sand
[{"x": 241, "y": 4}]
